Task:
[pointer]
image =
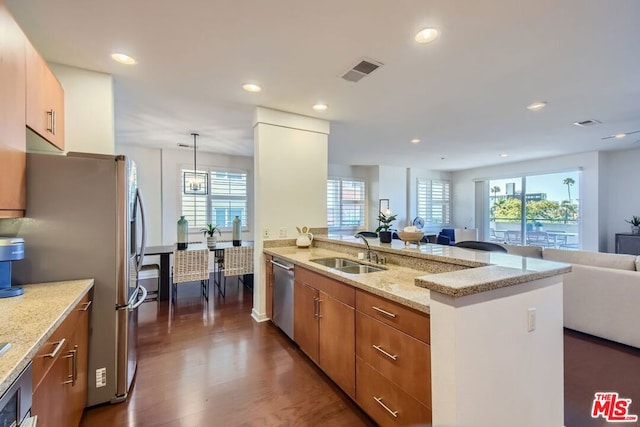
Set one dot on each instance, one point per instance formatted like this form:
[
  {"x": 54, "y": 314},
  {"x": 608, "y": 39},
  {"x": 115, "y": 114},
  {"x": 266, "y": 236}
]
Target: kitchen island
[
  {"x": 495, "y": 325},
  {"x": 30, "y": 319}
]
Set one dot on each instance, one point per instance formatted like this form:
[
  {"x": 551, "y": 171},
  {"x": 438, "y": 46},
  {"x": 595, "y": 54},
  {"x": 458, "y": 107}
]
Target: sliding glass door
[{"x": 542, "y": 210}]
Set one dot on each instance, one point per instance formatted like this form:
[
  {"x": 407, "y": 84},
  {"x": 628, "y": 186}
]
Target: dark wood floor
[{"x": 212, "y": 365}]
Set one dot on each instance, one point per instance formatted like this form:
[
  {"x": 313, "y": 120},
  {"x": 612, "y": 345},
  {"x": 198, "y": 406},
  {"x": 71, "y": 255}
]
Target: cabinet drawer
[
  {"x": 57, "y": 343},
  {"x": 340, "y": 291},
  {"x": 407, "y": 320},
  {"x": 385, "y": 402},
  {"x": 402, "y": 359}
]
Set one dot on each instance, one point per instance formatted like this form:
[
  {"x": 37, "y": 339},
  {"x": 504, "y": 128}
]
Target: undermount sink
[
  {"x": 347, "y": 266},
  {"x": 335, "y": 262}
]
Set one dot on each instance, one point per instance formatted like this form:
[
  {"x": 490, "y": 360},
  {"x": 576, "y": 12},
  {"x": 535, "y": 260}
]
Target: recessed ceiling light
[
  {"x": 535, "y": 106},
  {"x": 415, "y": 141},
  {"x": 503, "y": 155},
  {"x": 123, "y": 58},
  {"x": 619, "y": 135},
  {"x": 427, "y": 35},
  {"x": 320, "y": 106},
  {"x": 251, "y": 87}
]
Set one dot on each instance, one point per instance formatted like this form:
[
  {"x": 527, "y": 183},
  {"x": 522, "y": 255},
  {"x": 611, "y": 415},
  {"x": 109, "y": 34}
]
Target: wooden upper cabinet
[
  {"x": 12, "y": 117},
  {"x": 45, "y": 99}
]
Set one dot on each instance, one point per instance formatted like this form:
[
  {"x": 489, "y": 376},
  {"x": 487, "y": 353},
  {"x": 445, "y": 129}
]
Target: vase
[
  {"x": 235, "y": 235},
  {"x": 635, "y": 229},
  {"x": 385, "y": 236},
  {"x": 211, "y": 241},
  {"x": 183, "y": 231}
]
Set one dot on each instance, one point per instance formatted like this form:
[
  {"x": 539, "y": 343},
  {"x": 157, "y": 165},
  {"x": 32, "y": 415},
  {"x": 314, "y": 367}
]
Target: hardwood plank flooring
[{"x": 212, "y": 365}]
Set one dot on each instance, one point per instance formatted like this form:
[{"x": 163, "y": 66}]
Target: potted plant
[
  {"x": 209, "y": 233},
  {"x": 635, "y": 224},
  {"x": 385, "y": 218}
]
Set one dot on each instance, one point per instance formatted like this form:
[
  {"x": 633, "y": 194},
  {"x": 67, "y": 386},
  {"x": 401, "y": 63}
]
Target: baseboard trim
[{"x": 259, "y": 317}]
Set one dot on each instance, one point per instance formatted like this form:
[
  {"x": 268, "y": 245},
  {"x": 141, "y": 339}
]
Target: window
[
  {"x": 434, "y": 201},
  {"x": 345, "y": 203},
  {"x": 541, "y": 210},
  {"x": 225, "y": 199}
]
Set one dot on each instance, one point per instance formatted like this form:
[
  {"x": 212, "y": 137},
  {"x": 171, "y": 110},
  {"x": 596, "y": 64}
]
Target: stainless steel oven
[{"x": 15, "y": 403}]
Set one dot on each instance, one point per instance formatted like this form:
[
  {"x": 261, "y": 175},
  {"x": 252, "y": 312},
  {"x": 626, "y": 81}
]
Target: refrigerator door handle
[
  {"x": 134, "y": 303},
  {"x": 144, "y": 232},
  {"x": 141, "y": 299}
]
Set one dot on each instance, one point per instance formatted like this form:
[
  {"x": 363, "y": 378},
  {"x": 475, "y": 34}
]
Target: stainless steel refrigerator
[{"x": 85, "y": 219}]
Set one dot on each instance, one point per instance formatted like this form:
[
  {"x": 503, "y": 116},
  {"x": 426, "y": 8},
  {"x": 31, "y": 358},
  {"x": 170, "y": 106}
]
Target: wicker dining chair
[
  {"x": 238, "y": 261},
  {"x": 190, "y": 266}
]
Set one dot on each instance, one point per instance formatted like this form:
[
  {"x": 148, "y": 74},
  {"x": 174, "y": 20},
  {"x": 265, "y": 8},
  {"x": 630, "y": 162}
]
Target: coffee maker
[{"x": 11, "y": 249}]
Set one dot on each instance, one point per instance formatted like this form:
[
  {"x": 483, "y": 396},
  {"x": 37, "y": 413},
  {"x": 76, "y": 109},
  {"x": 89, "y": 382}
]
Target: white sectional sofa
[{"x": 601, "y": 294}]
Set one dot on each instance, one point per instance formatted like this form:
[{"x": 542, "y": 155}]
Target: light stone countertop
[
  {"x": 396, "y": 283},
  {"x": 28, "y": 320},
  {"x": 476, "y": 271}
]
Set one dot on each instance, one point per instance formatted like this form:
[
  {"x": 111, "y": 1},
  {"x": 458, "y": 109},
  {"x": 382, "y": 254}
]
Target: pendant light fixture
[{"x": 195, "y": 183}]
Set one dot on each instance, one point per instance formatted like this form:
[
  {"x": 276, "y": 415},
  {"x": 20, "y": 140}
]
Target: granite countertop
[
  {"x": 30, "y": 319},
  {"x": 476, "y": 271},
  {"x": 396, "y": 283}
]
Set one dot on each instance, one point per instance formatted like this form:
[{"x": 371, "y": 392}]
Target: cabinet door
[
  {"x": 305, "y": 321},
  {"x": 80, "y": 345},
  {"x": 45, "y": 99},
  {"x": 50, "y": 399},
  {"x": 268, "y": 269},
  {"x": 337, "y": 342},
  {"x": 12, "y": 117}
]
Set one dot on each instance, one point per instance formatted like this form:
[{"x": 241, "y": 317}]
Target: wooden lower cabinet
[
  {"x": 337, "y": 342},
  {"x": 385, "y": 402},
  {"x": 324, "y": 326},
  {"x": 60, "y": 371},
  {"x": 268, "y": 270},
  {"x": 377, "y": 351}
]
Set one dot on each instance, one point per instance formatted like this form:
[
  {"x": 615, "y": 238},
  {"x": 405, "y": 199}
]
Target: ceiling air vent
[
  {"x": 586, "y": 123},
  {"x": 361, "y": 69}
]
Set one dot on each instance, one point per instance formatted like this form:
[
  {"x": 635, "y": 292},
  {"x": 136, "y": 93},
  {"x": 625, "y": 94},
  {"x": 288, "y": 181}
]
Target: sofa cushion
[
  {"x": 595, "y": 259},
  {"x": 525, "y": 251}
]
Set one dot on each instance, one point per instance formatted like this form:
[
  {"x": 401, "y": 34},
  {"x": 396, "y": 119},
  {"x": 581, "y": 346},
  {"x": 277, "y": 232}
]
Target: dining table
[{"x": 165, "y": 252}]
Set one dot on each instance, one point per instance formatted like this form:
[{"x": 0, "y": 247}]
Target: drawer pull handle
[
  {"x": 385, "y": 312},
  {"x": 56, "y": 350},
  {"x": 389, "y": 355},
  {"x": 379, "y": 400},
  {"x": 86, "y": 306}
]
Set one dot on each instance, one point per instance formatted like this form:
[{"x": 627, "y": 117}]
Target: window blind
[
  {"x": 227, "y": 199},
  {"x": 434, "y": 201},
  {"x": 345, "y": 203}
]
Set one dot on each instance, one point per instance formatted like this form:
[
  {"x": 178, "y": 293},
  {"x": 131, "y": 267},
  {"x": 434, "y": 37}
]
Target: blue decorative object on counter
[{"x": 11, "y": 249}]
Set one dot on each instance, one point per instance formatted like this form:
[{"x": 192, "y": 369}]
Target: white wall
[
  {"x": 88, "y": 109},
  {"x": 291, "y": 167},
  {"x": 464, "y": 199},
  {"x": 621, "y": 197},
  {"x": 392, "y": 185},
  {"x": 148, "y": 163}
]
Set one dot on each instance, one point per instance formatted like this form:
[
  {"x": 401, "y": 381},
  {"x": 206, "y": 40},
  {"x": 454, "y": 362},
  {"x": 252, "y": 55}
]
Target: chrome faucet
[{"x": 358, "y": 235}]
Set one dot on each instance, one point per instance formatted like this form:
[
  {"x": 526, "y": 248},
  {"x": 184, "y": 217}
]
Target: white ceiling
[{"x": 464, "y": 96}]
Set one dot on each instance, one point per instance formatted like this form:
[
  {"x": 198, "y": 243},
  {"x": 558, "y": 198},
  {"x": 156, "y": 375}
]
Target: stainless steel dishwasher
[{"x": 283, "y": 295}]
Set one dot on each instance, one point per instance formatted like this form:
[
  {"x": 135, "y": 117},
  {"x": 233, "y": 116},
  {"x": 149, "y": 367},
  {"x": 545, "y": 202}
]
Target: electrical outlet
[
  {"x": 101, "y": 377},
  {"x": 531, "y": 319},
  {"x": 283, "y": 232},
  {"x": 266, "y": 233}
]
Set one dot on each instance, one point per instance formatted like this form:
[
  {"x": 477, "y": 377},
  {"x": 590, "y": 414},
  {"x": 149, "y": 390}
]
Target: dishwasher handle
[{"x": 285, "y": 267}]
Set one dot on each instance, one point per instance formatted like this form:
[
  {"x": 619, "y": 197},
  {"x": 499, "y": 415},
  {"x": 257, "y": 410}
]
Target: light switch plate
[
  {"x": 265, "y": 233},
  {"x": 531, "y": 319},
  {"x": 283, "y": 232}
]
